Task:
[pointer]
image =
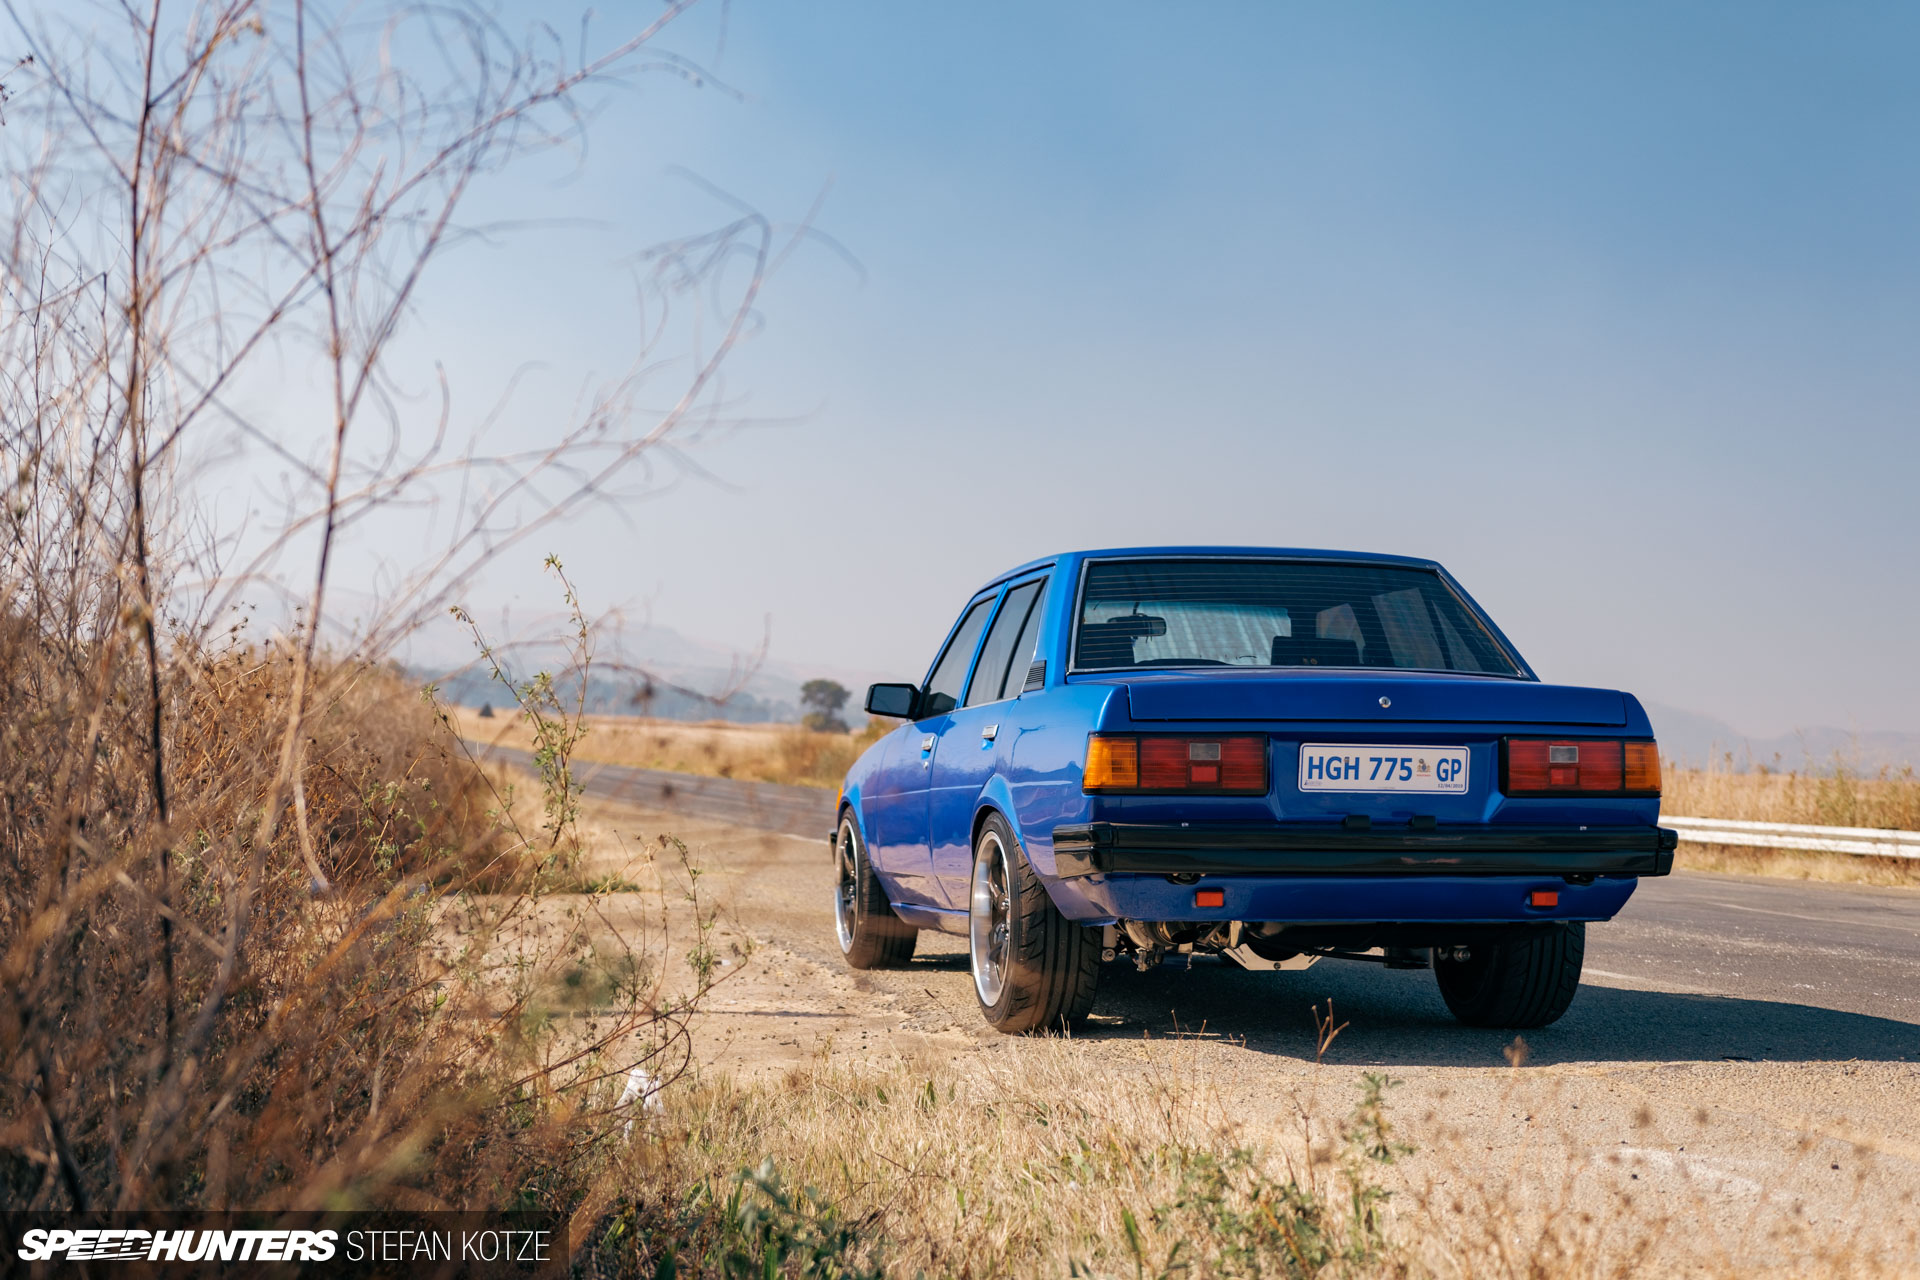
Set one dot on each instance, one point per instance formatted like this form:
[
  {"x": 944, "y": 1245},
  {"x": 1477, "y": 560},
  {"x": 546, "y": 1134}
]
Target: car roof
[{"x": 1291, "y": 553}]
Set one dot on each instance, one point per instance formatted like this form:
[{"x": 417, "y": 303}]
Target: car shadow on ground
[{"x": 1396, "y": 1018}]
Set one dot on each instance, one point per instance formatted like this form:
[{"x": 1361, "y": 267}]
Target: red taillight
[
  {"x": 1208, "y": 765},
  {"x": 1580, "y": 766},
  {"x": 1166, "y": 765}
]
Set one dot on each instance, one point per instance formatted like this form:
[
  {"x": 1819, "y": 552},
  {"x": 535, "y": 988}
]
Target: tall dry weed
[
  {"x": 265, "y": 938},
  {"x": 333, "y": 1017}
]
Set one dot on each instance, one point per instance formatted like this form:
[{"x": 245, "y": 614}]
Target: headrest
[
  {"x": 1107, "y": 644},
  {"x": 1314, "y": 651}
]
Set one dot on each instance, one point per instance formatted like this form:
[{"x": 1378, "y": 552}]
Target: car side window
[
  {"x": 990, "y": 673},
  {"x": 950, "y": 672},
  {"x": 1024, "y": 647}
]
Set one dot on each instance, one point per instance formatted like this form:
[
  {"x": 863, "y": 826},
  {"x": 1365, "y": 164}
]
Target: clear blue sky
[{"x": 1613, "y": 309}]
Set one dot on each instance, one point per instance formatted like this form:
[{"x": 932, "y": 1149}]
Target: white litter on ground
[{"x": 643, "y": 1089}]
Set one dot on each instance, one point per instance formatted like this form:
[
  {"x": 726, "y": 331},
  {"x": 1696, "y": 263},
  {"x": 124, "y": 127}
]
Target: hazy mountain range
[
  {"x": 1692, "y": 738},
  {"x": 659, "y": 672}
]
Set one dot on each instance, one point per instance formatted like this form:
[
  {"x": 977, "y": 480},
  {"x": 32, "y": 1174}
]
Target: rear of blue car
[{"x": 1285, "y": 757}]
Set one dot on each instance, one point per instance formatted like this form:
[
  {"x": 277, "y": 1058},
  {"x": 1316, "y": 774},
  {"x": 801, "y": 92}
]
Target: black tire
[
  {"x": 1524, "y": 981},
  {"x": 1049, "y": 968},
  {"x": 871, "y": 935}
]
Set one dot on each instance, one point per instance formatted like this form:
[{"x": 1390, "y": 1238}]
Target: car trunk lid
[{"x": 1385, "y": 697}]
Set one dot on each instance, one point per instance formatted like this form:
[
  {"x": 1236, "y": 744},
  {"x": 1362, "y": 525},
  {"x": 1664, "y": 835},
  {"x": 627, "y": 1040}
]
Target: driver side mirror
[{"x": 898, "y": 701}]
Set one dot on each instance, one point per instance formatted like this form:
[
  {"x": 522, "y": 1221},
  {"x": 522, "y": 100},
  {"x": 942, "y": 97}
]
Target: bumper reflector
[
  {"x": 1209, "y": 897},
  {"x": 1544, "y": 898}
]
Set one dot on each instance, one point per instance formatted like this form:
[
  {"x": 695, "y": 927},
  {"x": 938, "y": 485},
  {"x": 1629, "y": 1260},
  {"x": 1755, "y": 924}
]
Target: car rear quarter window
[
  {"x": 1278, "y": 613},
  {"x": 1025, "y": 647},
  {"x": 950, "y": 672},
  {"x": 991, "y": 673}
]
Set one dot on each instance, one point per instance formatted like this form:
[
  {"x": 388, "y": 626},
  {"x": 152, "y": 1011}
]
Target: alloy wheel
[
  {"x": 846, "y": 888},
  {"x": 989, "y": 932}
]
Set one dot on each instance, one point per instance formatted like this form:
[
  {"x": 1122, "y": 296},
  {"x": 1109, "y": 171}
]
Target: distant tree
[
  {"x": 486, "y": 711},
  {"x": 823, "y": 700}
]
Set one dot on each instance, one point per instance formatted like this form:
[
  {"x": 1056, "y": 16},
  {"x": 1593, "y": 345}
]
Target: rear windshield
[{"x": 1277, "y": 613}]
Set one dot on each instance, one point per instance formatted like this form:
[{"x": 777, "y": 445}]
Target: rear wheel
[
  {"x": 1524, "y": 981},
  {"x": 1032, "y": 967},
  {"x": 871, "y": 935}
]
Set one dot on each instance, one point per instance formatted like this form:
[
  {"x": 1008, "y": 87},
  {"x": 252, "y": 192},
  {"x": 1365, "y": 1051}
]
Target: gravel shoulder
[{"x": 1732, "y": 1103}]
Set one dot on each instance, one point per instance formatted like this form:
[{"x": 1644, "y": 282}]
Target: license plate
[{"x": 1378, "y": 767}]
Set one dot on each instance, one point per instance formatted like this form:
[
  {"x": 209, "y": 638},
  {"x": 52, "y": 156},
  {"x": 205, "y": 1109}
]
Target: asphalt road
[
  {"x": 1837, "y": 966},
  {"x": 764, "y": 806},
  {"x": 1847, "y": 948}
]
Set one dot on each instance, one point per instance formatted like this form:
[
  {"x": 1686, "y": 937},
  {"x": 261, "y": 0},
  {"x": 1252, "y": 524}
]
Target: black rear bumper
[{"x": 1480, "y": 850}]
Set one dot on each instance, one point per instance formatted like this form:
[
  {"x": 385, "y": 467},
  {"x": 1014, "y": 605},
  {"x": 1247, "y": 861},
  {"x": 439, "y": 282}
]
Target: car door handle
[
  {"x": 991, "y": 732},
  {"x": 926, "y": 752},
  {"x": 926, "y": 743}
]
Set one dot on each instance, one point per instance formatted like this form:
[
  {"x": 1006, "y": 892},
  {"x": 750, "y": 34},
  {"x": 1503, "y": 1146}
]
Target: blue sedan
[{"x": 1272, "y": 756}]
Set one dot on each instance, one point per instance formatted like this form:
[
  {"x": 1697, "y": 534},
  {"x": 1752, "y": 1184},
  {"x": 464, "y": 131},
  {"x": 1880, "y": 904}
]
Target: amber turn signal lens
[
  {"x": 1113, "y": 763},
  {"x": 1643, "y": 767}
]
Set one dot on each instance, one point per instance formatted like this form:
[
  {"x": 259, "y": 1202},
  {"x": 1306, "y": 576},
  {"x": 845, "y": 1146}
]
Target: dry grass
[
  {"x": 1043, "y": 1163},
  {"x": 751, "y": 752},
  {"x": 1059, "y": 1159},
  {"x": 335, "y": 1009},
  {"x": 181, "y": 1067},
  {"x": 1799, "y": 864},
  {"x": 1834, "y": 797}
]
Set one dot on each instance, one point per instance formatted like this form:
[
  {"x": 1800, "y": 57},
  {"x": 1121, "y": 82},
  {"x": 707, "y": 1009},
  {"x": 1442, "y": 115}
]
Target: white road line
[
  {"x": 1844, "y": 923},
  {"x": 1658, "y": 982}
]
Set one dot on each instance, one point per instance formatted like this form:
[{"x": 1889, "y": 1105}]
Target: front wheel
[
  {"x": 1032, "y": 967},
  {"x": 1519, "y": 982},
  {"x": 871, "y": 935}
]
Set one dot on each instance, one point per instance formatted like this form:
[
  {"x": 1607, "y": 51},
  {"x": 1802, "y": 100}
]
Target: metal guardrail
[{"x": 1871, "y": 841}]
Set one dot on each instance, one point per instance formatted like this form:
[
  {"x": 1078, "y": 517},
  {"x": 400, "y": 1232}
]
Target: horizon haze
[{"x": 1610, "y": 311}]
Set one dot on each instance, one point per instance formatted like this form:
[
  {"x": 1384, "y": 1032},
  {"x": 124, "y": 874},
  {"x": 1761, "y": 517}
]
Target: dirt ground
[
  {"x": 783, "y": 753},
  {"x": 635, "y": 739},
  {"x": 1743, "y": 1145}
]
